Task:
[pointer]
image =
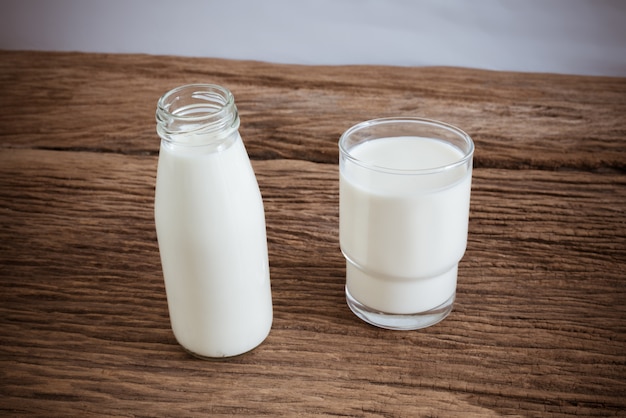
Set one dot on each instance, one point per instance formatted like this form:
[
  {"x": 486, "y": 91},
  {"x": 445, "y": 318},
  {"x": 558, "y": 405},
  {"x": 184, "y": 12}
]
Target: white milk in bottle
[{"x": 210, "y": 225}]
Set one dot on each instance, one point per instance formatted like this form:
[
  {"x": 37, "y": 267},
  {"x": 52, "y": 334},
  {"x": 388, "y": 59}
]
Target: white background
[{"x": 562, "y": 36}]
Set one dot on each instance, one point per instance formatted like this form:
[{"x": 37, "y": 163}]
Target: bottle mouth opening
[{"x": 196, "y": 109}]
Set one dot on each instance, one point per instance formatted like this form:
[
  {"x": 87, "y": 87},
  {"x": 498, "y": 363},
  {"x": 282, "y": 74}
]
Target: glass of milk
[
  {"x": 210, "y": 225},
  {"x": 403, "y": 215}
]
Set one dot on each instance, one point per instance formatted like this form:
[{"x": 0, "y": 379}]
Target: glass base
[
  {"x": 221, "y": 358},
  {"x": 404, "y": 322}
]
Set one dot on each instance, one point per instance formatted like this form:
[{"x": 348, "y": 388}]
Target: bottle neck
[{"x": 197, "y": 115}]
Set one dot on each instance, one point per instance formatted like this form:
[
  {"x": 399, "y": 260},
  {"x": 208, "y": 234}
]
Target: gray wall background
[{"x": 560, "y": 36}]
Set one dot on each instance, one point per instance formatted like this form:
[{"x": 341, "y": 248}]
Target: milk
[
  {"x": 403, "y": 234},
  {"x": 211, "y": 232}
]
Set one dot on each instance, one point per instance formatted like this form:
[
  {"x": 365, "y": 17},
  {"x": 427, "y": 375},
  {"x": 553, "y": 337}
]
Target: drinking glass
[{"x": 404, "y": 210}]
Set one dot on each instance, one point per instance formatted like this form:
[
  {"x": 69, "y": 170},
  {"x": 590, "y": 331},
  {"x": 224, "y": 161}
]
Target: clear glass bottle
[{"x": 210, "y": 225}]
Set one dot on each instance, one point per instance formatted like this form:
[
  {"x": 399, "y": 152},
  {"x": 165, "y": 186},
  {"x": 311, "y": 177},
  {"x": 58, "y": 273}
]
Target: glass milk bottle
[{"x": 210, "y": 225}]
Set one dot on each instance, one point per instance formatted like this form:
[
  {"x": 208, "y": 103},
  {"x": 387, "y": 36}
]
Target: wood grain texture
[
  {"x": 107, "y": 103},
  {"x": 539, "y": 326}
]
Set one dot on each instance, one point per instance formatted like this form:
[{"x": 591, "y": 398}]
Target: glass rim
[
  {"x": 197, "y": 88},
  {"x": 467, "y": 155}
]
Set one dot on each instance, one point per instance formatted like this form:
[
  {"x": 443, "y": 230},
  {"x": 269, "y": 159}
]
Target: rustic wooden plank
[
  {"x": 107, "y": 103},
  {"x": 538, "y": 328}
]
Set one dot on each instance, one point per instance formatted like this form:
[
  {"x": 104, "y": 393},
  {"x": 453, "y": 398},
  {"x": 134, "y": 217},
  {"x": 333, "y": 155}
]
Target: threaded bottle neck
[{"x": 197, "y": 115}]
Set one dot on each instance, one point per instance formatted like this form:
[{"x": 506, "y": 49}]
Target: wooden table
[{"x": 539, "y": 326}]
